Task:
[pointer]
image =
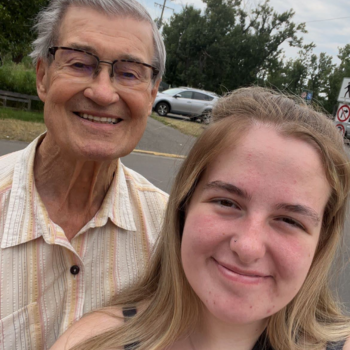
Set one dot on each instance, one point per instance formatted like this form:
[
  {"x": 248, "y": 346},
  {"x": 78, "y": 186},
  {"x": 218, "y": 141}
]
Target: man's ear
[
  {"x": 42, "y": 78},
  {"x": 153, "y": 95}
]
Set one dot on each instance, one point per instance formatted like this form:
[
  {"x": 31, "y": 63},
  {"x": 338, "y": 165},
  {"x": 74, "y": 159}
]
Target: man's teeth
[{"x": 98, "y": 119}]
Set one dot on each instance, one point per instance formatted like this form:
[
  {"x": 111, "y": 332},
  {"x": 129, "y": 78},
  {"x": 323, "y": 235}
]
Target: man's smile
[{"x": 95, "y": 119}]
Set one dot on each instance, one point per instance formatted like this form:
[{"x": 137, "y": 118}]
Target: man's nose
[
  {"x": 101, "y": 90},
  {"x": 248, "y": 240}
]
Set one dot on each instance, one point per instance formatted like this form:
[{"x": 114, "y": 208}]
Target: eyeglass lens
[{"x": 83, "y": 65}]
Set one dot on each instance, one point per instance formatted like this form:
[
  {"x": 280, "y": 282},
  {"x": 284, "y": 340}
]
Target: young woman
[{"x": 253, "y": 223}]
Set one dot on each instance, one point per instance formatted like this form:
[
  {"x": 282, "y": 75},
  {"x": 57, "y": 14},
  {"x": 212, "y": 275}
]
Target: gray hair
[{"x": 49, "y": 21}]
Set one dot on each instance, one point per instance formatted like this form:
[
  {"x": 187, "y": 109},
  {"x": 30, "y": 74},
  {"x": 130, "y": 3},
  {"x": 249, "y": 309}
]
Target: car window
[
  {"x": 186, "y": 94},
  {"x": 202, "y": 97},
  {"x": 172, "y": 92}
]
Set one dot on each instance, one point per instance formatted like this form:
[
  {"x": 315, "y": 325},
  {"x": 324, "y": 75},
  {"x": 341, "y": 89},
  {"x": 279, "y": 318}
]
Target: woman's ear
[{"x": 42, "y": 79}]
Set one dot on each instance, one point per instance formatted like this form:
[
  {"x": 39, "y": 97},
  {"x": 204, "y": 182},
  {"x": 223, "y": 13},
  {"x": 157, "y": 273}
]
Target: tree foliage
[
  {"x": 226, "y": 47},
  {"x": 16, "y": 22},
  {"x": 314, "y": 72}
]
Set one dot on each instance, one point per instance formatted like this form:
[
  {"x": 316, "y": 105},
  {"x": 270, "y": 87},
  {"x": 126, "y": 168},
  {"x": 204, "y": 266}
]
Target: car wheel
[
  {"x": 162, "y": 108},
  {"x": 206, "y": 117}
]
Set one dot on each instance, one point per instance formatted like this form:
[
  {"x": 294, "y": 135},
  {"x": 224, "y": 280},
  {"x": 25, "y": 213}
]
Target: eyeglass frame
[{"x": 52, "y": 50}]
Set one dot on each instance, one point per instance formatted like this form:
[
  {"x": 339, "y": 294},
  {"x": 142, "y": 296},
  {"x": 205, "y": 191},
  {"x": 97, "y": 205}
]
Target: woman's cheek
[{"x": 293, "y": 256}]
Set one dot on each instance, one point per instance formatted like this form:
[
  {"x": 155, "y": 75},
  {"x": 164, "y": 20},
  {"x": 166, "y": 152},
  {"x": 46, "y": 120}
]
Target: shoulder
[
  {"x": 341, "y": 345},
  {"x": 89, "y": 326},
  {"x": 142, "y": 184},
  {"x": 7, "y": 165},
  {"x": 347, "y": 344}
]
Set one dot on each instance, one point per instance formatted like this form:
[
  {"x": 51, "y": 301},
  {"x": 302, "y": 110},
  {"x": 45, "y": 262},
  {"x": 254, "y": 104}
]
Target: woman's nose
[{"x": 248, "y": 240}]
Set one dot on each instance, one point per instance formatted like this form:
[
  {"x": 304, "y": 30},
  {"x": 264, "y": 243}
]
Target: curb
[{"x": 168, "y": 155}]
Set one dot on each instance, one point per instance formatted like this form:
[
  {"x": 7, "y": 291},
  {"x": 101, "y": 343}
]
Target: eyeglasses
[{"x": 85, "y": 66}]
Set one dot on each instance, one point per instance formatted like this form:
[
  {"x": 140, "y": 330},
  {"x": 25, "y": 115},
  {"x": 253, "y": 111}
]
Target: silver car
[{"x": 193, "y": 103}]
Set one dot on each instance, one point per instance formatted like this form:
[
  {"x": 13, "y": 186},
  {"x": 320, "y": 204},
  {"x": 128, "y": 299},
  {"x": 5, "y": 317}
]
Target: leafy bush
[{"x": 19, "y": 78}]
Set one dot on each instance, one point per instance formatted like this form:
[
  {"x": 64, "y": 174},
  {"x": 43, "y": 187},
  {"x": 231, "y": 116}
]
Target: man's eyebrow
[
  {"x": 92, "y": 50},
  {"x": 220, "y": 185},
  {"x": 83, "y": 47},
  {"x": 300, "y": 209}
]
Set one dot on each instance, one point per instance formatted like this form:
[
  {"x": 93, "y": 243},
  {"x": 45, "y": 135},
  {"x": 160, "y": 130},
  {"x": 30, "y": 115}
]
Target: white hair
[{"x": 49, "y": 21}]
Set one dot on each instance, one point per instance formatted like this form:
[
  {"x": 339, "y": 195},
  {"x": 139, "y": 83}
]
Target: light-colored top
[{"x": 40, "y": 296}]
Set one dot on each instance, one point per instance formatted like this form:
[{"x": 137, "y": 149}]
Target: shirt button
[{"x": 74, "y": 270}]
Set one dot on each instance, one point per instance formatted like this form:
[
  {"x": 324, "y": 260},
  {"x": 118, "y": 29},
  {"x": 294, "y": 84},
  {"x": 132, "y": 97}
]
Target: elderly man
[{"x": 76, "y": 226}]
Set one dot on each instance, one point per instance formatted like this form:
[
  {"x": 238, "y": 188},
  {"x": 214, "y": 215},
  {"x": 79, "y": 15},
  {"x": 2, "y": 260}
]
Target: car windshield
[{"x": 172, "y": 91}]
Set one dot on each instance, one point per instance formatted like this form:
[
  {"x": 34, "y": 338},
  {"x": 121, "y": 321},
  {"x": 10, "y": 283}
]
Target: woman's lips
[{"x": 236, "y": 274}]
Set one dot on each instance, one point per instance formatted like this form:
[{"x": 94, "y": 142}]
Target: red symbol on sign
[
  {"x": 341, "y": 128},
  {"x": 343, "y": 113}
]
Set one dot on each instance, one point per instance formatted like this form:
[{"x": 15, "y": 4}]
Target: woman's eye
[
  {"x": 292, "y": 222},
  {"x": 226, "y": 203}
]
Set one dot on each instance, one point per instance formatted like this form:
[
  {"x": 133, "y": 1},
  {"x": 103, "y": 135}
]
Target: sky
[{"x": 327, "y": 21}]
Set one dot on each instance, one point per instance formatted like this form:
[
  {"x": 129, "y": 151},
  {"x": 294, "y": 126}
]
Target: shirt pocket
[{"x": 22, "y": 330}]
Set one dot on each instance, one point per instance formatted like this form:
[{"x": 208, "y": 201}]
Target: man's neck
[{"x": 71, "y": 190}]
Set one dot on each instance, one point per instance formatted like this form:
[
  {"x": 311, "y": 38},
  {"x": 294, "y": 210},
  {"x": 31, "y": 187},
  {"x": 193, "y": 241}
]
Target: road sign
[
  {"x": 344, "y": 93},
  {"x": 307, "y": 95},
  {"x": 341, "y": 128},
  {"x": 343, "y": 113}
]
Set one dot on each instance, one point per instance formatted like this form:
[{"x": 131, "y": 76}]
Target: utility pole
[{"x": 159, "y": 24}]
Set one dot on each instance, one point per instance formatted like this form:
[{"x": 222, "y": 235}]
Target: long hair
[
  {"x": 172, "y": 310},
  {"x": 50, "y": 19}
]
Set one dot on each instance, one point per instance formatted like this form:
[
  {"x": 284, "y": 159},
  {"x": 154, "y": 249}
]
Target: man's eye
[
  {"x": 127, "y": 75},
  {"x": 78, "y": 65},
  {"x": 81, "y": 66},
  {"x": 292, "y": 222}
]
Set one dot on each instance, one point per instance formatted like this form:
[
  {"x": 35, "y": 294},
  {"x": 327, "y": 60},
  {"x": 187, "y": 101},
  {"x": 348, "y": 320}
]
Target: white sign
[{"x": 344, "y": 93}]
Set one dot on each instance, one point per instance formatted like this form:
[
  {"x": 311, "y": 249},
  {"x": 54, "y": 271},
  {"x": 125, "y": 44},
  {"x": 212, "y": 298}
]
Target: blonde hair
[{"x": 312, "y": 318}]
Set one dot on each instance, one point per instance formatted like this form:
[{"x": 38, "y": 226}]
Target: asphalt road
[{"x": 161, "y": 171}]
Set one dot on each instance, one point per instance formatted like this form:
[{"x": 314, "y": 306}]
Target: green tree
[
  {"x": 291, "y": 74},
  {"x": 16, "y": 22},
  {"x": 335, "y": 80},
  {"x": 225, "y": 47}
]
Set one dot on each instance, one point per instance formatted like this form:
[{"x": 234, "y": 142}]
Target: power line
[{"x": 329, "y": 19}]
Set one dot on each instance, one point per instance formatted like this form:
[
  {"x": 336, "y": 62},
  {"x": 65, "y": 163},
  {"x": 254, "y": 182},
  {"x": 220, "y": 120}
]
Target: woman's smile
[{"x": 238, "y": 275}]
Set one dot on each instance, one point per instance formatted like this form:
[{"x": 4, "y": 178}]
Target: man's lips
[
  {"x": 236, "y": 272},
  {"x": 98, "y": 117}
]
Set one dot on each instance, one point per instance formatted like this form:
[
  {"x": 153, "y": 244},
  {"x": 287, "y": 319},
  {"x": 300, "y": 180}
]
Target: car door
[
  {"x": 182, "y": 103},
  {"x": 200, "y": 102}
]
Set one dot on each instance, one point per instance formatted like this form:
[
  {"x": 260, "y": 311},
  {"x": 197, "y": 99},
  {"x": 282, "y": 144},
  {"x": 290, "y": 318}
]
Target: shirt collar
[
  {"x": 116, "y": 205},
  {"x": 27, "y": 218}
]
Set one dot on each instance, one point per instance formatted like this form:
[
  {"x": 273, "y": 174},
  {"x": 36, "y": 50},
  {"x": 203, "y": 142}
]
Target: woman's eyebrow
[
  {"x": 300, "y": 209},
  {"x": 220, "y": 185}
]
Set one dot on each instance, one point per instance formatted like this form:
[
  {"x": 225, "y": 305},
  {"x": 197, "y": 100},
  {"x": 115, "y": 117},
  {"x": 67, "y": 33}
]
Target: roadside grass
[
  {"x": 20, "y": 125},
  {"x": 186, "y": 127},
  {"x": 18, "y": 114}
]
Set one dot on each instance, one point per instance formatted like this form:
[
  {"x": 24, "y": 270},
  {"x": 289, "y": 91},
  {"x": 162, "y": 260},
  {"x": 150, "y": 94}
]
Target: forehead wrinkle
[
  {"x": 91, "y": 49},
  {"x": 300, "y": 209},
  {"x": 220, "y": 185}
]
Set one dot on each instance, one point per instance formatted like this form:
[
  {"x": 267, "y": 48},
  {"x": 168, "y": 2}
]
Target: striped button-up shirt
[{"x": 47, "y": 282}]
